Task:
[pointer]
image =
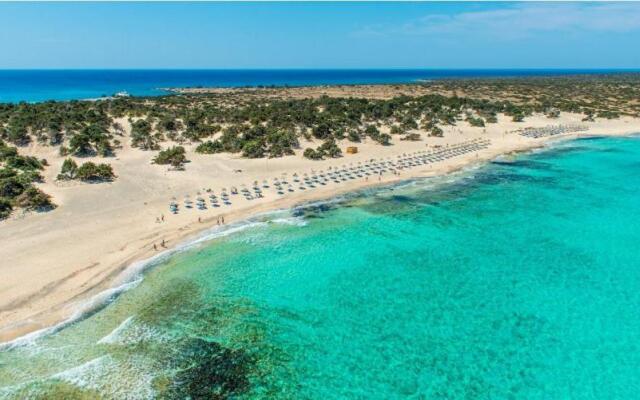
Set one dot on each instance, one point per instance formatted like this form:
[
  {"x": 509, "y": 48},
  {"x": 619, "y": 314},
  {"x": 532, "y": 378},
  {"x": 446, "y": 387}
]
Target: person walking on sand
[
  {"x": 199, "y": 219},
  {"x": 162, "y": 217},
  {"x": 222, "y": 219},
  {"x": 163, "y": 243},
  {"x": 155, "y": 247}
]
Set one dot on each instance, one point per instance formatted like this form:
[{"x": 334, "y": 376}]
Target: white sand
[{"x": 54, "y": 261}]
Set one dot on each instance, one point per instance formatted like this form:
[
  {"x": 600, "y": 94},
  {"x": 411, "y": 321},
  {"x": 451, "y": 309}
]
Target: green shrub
[
  {"x": 312, "y": 154},
  {"x": 210, "y": 147},
  {"x": 408, "y": 123},
  {"x": 12, "y": 187},
  {"x": 17, "y": 133},
  {"x": 7, "y": 173},
  {"x": 5, "y": 208},
  {"x": 436, "y": 131},
  {"x": 91, "y": 172},
  {"x": 413, "y": 137},
  {"x": 253, "y": 149},
  {"x": 322, "y": 131},
  {"x": 34, "y": 199},
  {"x": 330, "y": 148},
  {"x": 372, "y": 131},
  {"x": 353, "y": 136},
  {"x": 475, "y": 121},
  {"x": 141, "y": 136},
  {"x": 80, "y": 145},
  {"x": 24, "y": 163},
  {"x": 175, "y": 156},
  {"x": 518, "y": 117},
  {"x": 69, "y": 170},
  {"x": 7, "y": 151},
  {"x": 383, "y": 139}
]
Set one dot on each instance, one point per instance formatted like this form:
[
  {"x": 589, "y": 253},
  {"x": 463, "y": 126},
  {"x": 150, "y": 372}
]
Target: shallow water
[{"x": 516, "y": 280}]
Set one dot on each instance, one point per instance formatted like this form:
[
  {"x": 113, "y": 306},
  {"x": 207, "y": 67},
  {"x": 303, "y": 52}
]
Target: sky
[{"x": 319, "y": 35}]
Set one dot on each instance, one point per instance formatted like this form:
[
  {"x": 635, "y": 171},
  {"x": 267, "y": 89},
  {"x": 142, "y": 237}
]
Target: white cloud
[{"x": 523, "y": 20}]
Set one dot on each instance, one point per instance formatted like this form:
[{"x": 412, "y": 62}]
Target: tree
[
  {"x": 80, "y": 145},
  {"x": 69, "y": 170},
  {"x": 141, "y": 135},
  {"x": 322, "y": 131},
  {"x": 54, "y": 135},
  {"x": 17, "y": 133}
]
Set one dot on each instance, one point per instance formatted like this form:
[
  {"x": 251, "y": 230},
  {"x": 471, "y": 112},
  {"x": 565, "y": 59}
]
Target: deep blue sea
[
  {"x": 42, "y": 85},
  {"x": 516, "y": 280}
]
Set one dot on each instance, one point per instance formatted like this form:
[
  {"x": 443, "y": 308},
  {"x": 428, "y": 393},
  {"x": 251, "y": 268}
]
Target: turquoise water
[{"x": 517, "y": 280}]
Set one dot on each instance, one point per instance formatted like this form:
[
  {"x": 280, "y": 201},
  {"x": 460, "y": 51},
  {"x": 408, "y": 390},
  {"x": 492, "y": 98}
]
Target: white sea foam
[
  {"x": 83, "y": 375},
  {"x": 105, "y": 374},
  {"x": 113, "y": 336},
  {"x": 294, "y": 221},
  {"x": 133, "y": 275},
  {"x": 81, "y": 311},
  {"x": 128, "y": 333}
]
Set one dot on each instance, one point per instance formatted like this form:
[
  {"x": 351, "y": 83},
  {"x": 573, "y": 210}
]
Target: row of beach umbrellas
[{"x": 335, "y": 174}]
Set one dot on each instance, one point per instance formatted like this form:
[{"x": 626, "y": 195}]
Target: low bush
[
  {"x": 412, "y": 137},
  {"x": 174, "y": 156},
  {"x": 210, "y": 147},
  {"x": 91, "y": 172},
  {"x": 34, "y": 199}
]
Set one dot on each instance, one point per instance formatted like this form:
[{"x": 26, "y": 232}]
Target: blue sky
[{"x": 319, "y": 35}]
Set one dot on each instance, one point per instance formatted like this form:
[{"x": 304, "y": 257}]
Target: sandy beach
[{"x": 54, "y": 262}]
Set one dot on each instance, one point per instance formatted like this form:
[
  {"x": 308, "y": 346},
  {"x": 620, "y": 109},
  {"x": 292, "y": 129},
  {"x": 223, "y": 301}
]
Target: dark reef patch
[
  {"x": 316, "y": 210},
  {"x": 530, "y": 164},
  {"x": 559, "y": 151},
  {"x": 396, "y": 204},
  {"x": 207, "y": 370}
]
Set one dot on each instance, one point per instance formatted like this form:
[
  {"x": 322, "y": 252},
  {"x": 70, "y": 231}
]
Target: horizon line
[{"x": 331, "y": 69}]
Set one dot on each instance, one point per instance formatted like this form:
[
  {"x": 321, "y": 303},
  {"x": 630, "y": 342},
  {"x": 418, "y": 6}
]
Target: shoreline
[{"x": 181, "y": 236}]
